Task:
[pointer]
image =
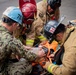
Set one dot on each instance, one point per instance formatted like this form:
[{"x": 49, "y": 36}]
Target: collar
[{"x": 67, "y": 33}]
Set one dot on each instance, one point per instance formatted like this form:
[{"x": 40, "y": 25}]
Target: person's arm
[
  {"x": 68, "y": 66},
  {"x": 30, "y": 37},
  {"x": 18, "y": 48}
]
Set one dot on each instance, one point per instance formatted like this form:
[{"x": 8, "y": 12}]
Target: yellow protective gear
[
  {"x": 29, "y": 42},
  {"x": 42, "y": 38},
  {"x": 51, "y": 67}
]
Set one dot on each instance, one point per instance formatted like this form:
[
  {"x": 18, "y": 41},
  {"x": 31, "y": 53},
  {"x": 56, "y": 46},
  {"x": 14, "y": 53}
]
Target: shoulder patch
[{"x": 41, "y": 15}]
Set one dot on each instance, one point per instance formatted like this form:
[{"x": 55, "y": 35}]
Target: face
[
  {"x": 16, "y": 30},
  {"x": 50, "y": 9},
  {"x": 59, "y": 37}
]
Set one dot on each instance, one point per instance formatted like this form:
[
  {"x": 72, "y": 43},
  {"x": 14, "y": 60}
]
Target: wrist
[{"x": 51, "y": 67}]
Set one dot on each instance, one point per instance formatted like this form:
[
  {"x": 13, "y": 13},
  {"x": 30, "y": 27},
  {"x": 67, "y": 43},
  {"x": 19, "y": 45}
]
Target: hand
[
  {"x": 51, "y": 56},
  {"x": 47, "y": 64},
  {"x": 27, "y": 47},
  {"x": 42, "y": 44}
]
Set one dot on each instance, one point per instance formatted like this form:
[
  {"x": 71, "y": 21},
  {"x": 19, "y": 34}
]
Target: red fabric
[{"x": 28, "y": 8}]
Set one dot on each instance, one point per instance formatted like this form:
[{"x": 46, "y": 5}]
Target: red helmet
[
  {"x": 22, "y": 2},
  {"x": 29, "y": 10}
]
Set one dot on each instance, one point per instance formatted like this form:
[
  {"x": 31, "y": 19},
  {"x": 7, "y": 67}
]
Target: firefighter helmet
[
  {"x": 50, "y": 28},
  {"x": 54, "y": 3},
  {"x": 29, "y": 10}
]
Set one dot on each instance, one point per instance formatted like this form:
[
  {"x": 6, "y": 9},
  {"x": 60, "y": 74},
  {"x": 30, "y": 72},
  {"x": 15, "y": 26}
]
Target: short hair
[{"x": 7, "y": 20}]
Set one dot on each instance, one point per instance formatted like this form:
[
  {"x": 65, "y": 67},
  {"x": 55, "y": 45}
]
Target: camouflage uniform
[
  {"x": 9, "y": 45},
  {"x": 38, "y": 24}
]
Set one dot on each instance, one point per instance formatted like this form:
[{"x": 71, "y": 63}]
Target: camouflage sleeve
[{"x": 17, "y": 47}]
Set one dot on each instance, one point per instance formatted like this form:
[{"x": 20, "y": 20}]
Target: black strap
[{"x": 59, "y": 54}]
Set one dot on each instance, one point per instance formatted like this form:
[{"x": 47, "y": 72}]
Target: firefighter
[
  {"x": 46, "y": 10},
  {"x": 66, "y": 37},
  {"x": 35, "y": 17}
]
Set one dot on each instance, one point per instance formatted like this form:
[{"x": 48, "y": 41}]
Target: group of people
[{"x": 23, "y": 29}]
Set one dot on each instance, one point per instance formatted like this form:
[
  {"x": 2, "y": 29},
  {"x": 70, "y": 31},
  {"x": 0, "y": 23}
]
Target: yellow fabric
[
  {"x": 42, "y": 38},
  {"x": 50, "y": 67},
  {"x": 29, "y": 42},
  {"x": 44, "y": 0}
]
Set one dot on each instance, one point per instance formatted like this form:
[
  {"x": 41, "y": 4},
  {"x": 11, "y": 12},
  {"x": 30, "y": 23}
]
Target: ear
[
  {"x": 60, "y": 35},
  {"x": 14, "y": 24}
]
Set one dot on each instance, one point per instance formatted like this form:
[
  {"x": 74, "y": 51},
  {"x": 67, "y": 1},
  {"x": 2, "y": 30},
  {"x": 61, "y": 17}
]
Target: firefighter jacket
[
  {"x": 37, "y": 26},
  {"x": 68, "y": 66}
]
